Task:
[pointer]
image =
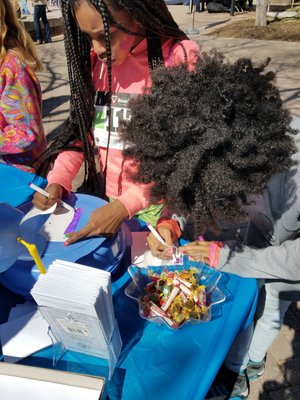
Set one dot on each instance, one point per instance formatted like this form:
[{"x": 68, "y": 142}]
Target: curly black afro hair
[{"x": 206, "y": 138}]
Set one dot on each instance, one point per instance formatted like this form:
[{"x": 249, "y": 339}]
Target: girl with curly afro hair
[
  {"x": 216, "y": 145},
  {"x": 206, "y": 139}
]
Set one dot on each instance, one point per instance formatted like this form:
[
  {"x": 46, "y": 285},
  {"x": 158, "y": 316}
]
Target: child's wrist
[
  {"x": 214, "y": 253},
  {"x": 172, "y": 225}
]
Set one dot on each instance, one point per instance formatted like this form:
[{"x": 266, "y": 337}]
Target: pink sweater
[{"x": 129, "y": 79}]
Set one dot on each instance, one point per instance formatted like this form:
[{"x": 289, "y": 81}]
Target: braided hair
[
  {"x": 156, "y": 20},
  {"x": 206, "y": 138}
]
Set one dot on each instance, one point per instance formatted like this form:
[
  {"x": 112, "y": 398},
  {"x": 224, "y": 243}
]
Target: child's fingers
[
  {"x": 198, "y": 250},
  {"x": 154, "y": 244},
  {"x": 166, "y": 234}
]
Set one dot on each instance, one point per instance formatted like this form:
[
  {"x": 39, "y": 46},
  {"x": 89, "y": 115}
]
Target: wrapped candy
[{"x": 175, "y": 296}]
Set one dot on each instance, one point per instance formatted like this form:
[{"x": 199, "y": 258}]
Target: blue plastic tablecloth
[
  {"x": 159, "y": 363},
  {"x": 156, "y": 362}
]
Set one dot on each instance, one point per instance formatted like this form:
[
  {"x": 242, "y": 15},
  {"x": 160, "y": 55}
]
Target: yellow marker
[{"x": 34, "y": 254}]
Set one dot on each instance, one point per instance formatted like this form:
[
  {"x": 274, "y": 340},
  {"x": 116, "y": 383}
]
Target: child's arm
[
  {"x": 280, "y": 260},
  {"x": 274, "y": 262},
  {"x": 65, "y": 169}
]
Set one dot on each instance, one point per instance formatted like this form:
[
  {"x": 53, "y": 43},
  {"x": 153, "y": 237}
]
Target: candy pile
[{"x": 175, "y": 296}]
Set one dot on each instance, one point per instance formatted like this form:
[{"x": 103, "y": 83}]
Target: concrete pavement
[{"x": 281, "y": 380}]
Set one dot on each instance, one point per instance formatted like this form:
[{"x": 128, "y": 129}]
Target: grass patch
[{"x": 285, "y": 30}]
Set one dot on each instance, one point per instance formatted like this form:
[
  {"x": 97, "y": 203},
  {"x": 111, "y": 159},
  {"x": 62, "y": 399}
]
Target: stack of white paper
[{"x": 76, "y": 301}]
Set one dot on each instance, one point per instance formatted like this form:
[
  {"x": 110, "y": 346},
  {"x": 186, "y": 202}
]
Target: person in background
[
  {"x": 236, "y": 172},
  {"x": 249, "y": 7},
  {"x": 195, "y": 4},
  {"x": 22, "y": 137},
  {"x": 111, "y": 47},
  {"x": 39, "y": 13},
  {"x": 54, "y": 3},
  {"x": 24, "y": 8}
]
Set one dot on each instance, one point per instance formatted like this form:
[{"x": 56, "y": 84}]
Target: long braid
[
  {"x": 81, "y": 100},
  {"x": 82, "y": 96},
  {"x": 109, "y": 73},
  {"x": 155, "y": 56},
  {"x": 156, "y": 20}
]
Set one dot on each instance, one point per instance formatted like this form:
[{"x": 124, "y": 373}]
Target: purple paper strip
[{"x": 72, "y": 225}]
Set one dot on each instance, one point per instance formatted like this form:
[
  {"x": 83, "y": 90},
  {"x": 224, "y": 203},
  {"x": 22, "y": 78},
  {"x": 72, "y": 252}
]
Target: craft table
[{"x": 156, "y": 362}]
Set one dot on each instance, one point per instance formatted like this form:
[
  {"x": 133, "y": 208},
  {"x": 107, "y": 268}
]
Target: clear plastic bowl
[{"x": 205, "y": 276}]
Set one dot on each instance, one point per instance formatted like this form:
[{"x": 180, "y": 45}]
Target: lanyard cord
[{"x": 107, "y": 147}]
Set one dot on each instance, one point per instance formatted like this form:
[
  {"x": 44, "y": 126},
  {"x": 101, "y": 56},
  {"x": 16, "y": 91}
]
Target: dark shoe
[
  {"x": 231, "y": 384},
  {"x": 255, "y": 369}
]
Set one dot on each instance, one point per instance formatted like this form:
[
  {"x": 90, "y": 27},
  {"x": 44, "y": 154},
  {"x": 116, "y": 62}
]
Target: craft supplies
[
  {"x": 34, "y": 254},
  {"x": 47, "y": 233},
  {"x": 74, "y": 222}
]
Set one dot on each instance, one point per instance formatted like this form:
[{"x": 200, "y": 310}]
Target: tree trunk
[{"x": 261, "y": 13}]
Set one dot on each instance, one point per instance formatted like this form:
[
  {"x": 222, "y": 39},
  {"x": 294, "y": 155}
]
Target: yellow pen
[{"x": 34, "y": 254}]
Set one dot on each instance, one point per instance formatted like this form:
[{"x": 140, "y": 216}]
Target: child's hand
[
  {"x": 170, "y": 231},
  {"x": 205, "y": 252},
  {"x": 55, "y": 194},
  {"x": 157, "y": 248},
  {"x": 104, "y": 221},
  {"x": 198, "y": 251}
]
